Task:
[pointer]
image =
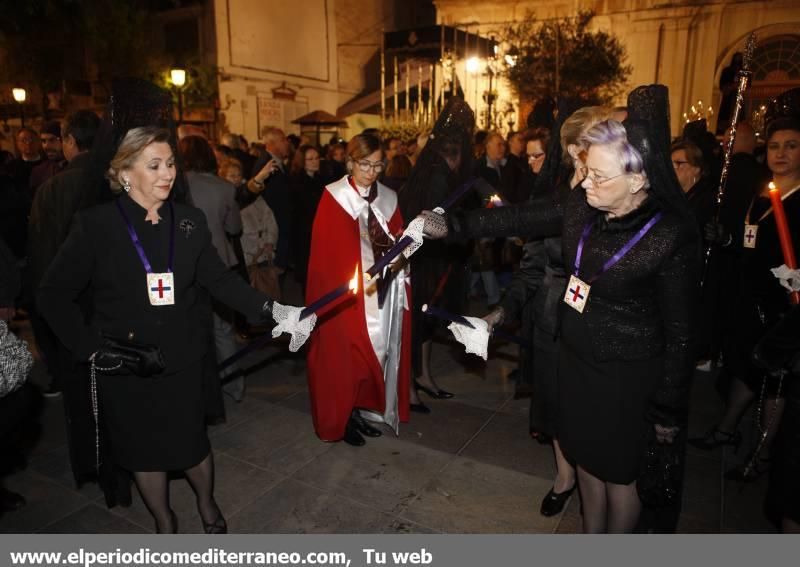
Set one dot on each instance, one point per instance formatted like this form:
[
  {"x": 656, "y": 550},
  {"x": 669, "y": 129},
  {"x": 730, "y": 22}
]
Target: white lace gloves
[
  {"x": 475, "y": 341},
  {"x": 790, "y": 279},
  {"x": 427, "y": 224},
  {"x": 288, "y": 320}
]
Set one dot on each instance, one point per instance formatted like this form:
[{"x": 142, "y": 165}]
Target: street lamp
[
  {"x": 473, "y": 65},
  {"x": 178, "y": 77},
  {"x": 20, "y": 95}
]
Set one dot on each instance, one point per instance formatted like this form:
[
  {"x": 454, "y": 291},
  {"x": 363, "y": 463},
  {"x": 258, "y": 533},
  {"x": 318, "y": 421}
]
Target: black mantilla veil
[
  {"x": 554, "y": 169},
  {"x": 783, "y": 112},
  {"x": 450, "y": 141},
  {"x": 647, "y": 127},
  {"x": 134, "y": 103}
]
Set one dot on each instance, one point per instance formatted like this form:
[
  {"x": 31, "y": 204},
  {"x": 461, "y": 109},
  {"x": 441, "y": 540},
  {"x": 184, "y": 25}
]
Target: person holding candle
[
  {"x": 625, "y": 357},
  {"x": 359, "y": 358},
  {"x": 760, "y": 298},
  {"x": 148, "y": 261}
]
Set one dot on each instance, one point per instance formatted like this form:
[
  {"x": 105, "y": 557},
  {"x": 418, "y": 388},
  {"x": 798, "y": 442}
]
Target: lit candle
[
  {"x": 785, "y": 237},
  {"x": 494, "y": 201},
  {"x": 331, "y": 296}
]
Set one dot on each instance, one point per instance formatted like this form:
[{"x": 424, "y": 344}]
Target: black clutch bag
[
  {"x": 659, "y": 485},
  {"x": 119, "y": 355}
]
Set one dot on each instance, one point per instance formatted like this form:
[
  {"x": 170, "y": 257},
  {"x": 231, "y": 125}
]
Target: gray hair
[{"x": 612, "y": 134}]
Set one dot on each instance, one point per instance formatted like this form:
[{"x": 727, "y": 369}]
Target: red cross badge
[
  {"x": 161, "y": 289},
  {"x": 750, "y": 233},
  {"x": 577, "y": 293}
]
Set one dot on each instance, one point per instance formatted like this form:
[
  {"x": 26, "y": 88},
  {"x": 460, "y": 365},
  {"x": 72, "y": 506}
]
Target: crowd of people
[{"x": 145, "y": 249}]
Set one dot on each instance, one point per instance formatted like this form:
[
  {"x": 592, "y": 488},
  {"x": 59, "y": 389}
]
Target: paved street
[{"x": 468, "y": 467}]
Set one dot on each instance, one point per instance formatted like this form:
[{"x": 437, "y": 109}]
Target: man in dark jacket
[
  {"x": 55, "y": 162},
  {"x": 54, "y": 205},
  {"x": 270, "y": 180}
]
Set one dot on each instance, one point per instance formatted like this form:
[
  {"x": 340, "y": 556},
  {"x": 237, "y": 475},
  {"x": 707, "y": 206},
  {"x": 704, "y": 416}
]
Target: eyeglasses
[
  {"x": 366, "y": 166},
  {"x": 538, "y": 155},
  {"x": 599, "y": 180},
  {"x": 676, "y": 163}
]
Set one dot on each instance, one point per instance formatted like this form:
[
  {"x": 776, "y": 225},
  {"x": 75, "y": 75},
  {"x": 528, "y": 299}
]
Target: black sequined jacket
[{"x": 641, "y": 308}]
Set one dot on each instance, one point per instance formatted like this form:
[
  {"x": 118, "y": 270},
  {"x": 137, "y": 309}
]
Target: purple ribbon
[
  {"x": 138, "y": 244},
  {"x": 324, "y": 300},
  {"x": 619, "y": 254}
]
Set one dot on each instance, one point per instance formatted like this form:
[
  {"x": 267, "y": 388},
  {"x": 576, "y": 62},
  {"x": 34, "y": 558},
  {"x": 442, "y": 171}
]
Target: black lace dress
[{"x": 626, "y": 362}]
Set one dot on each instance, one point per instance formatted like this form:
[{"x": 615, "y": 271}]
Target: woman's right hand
[{"x": 494, "y": 318}]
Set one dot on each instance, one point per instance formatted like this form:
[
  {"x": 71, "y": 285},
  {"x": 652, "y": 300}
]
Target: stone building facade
[{"x": 684, "y": 44}]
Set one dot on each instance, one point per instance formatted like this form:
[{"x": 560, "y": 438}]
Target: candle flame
[
  {"x": 354, "y": 281},
  {"x": 772, "y": 186},
  {"x": 495, "y": 199}
]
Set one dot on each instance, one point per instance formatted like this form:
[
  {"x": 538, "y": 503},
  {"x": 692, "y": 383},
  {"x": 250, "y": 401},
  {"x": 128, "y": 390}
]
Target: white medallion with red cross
[
  {"x": 750, "y": 233},
  {"x": 577, "y": 293},
  {"x": 161, "y": 289}
]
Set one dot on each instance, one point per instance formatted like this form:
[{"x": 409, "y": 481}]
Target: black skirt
[
  {"x": 544, "y": 403},
  {"x": 156, "y": 424},
  {"x": 601, "y": 412}
]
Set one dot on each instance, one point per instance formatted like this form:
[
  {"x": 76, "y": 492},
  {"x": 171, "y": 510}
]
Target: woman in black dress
[
  {"x": 625, "y": 358},
  {"x": 439, "y": 270},
  {"x": 149, "y": 262},
  {"x": 760, "y": 299},
  {"x": 544, "y": 293}
]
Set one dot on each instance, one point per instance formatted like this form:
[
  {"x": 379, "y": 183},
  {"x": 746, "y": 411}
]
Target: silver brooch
[{"x": 187, "y": 227}]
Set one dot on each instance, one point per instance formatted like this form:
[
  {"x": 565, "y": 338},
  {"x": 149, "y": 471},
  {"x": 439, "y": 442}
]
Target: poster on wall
[{"x": 279, "y": 113}]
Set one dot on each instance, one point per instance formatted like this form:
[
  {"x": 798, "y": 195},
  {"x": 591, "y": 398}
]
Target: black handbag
[
  {"x": 659, "y": 484},
  {"x": 116, "y": 356}
]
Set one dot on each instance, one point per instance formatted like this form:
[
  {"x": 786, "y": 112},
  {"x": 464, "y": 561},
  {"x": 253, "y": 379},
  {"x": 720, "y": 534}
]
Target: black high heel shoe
[
  {"x": 438, "y": 394},
  {"x": 362, "y": 426},
  {"x": 554, "y": 502},
  {"x": 715, "y": 438},
  {"x": 218, "y": 526}
]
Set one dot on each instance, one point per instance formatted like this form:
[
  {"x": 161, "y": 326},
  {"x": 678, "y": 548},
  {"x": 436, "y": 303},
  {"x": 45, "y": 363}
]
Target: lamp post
[
  {"x": 178, "y": 77},
  {"x": 20, "y": 95}
]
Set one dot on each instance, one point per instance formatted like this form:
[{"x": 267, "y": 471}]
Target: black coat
[
  {"x": 277, "y": 195},
  {"x": 306, "y": 192},
  {"x": 640, "y": 309},
  {"x": 54, "y": 206},
  {"x": 99, "y": 253}
]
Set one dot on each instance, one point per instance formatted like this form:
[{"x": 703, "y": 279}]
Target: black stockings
[
  {"x": 608, "y": 507},
  {"x": 154, "y": 488}
]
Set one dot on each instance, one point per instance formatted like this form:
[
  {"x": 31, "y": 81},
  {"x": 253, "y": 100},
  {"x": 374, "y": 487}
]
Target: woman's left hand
[{"x": 666, "y": 434}]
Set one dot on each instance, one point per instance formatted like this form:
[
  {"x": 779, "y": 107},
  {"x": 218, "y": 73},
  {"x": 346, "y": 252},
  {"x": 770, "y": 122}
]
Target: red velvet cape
[{"x": 343, "y": 370}]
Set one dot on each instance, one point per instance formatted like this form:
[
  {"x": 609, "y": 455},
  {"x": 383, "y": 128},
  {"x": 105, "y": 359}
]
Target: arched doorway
[{"x": 776, "y": 68}]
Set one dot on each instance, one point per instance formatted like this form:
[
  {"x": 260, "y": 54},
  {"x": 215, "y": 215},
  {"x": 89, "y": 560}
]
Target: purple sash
[
  {"x": 138, "y": 245},
  {"x": 619, "y": 254}
]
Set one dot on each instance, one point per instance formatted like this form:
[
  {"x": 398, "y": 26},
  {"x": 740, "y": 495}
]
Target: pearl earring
[{"x": 126, "y": 185}]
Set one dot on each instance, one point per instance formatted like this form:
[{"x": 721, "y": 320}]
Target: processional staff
[{"x": 745, "y": 75}]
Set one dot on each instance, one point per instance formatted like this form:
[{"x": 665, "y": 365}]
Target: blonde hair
[
  {"x": 131, "y": 147},
  {"x": 577, "y": 123},
  {"x": 228, "y": 164}
]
